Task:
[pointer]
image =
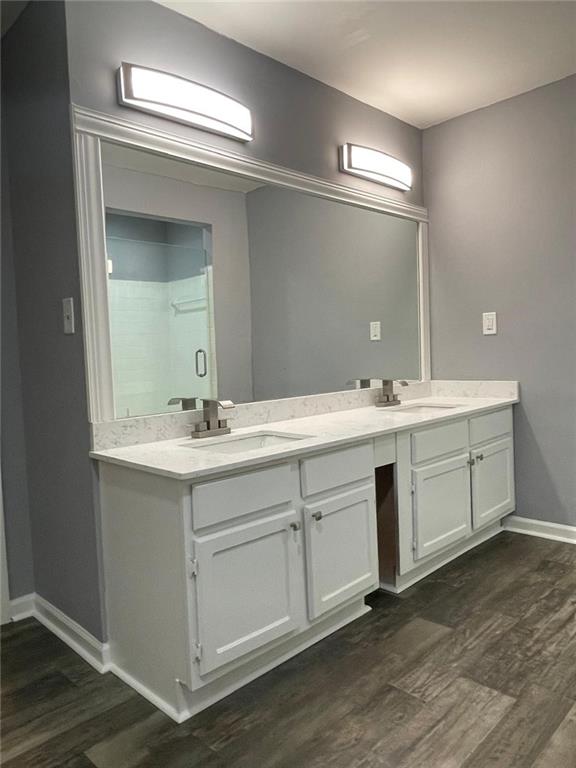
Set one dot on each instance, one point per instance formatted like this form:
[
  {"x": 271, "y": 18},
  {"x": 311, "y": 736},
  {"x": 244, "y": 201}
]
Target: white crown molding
[
  {"x": 540, "y": 528},
  {"x": 138, "y": 135}
]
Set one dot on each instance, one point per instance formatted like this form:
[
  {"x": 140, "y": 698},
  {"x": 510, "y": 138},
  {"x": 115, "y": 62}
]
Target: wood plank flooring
[{"x": 475, "y": 667}]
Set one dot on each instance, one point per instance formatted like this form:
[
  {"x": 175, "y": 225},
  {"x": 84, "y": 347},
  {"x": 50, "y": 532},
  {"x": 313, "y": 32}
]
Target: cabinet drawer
[
  {"x": 223, "y": 500},
  {"x": 438, "y": 441},
  {"x": 330, "y": 470},
  {"x": 490, "y": 425}
]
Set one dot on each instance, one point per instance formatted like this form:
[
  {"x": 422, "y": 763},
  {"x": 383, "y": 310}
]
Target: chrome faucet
[
  {"x": 387, "y": 396},
  {"x": 362, "y": 383},
  {"x": 211, "y": 424},
  {"x": 188, "y": 403}
]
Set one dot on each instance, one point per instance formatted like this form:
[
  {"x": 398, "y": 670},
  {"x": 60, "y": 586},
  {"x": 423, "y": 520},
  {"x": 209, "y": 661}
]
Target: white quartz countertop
[{"x": 187, "y": 459}]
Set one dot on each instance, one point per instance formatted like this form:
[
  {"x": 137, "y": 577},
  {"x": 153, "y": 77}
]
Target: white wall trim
[
  {"x": 89, "y": 129},
  {"x": 148, "y": 693},
  {"x": 424, "y": 302},
  {"x": 541, "y": 528},
  {"x": 404, "y": 581},
  {"x": 5, "y": 606},
  {"x": 99, "y": 655},
  {"x": 92, "y": 650},
  {"x": 127, "y": 132},
  {"x": 22, "y": 607},
  {"x": 93, "y": 276}
]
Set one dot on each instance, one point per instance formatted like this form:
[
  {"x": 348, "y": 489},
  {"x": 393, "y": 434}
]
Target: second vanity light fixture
[
  {"x": 376, "y": 166},
  {"x": 185, "y": 101}
]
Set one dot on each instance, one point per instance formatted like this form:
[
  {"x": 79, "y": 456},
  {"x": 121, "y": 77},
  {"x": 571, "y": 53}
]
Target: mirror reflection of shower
[{"x": 161, "y": 311}]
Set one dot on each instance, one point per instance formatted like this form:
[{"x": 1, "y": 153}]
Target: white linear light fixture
[
  {"x": 376, "y": 166},
  {"x": 185, "y": 101}
]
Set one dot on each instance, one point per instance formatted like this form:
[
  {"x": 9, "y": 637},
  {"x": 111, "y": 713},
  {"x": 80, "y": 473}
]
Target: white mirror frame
[{"x": 90, "y": 128}]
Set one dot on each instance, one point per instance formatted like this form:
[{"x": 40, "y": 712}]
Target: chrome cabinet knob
[
  {"x": 295, "y": 526},
  {"x": 317, "y": 515}
]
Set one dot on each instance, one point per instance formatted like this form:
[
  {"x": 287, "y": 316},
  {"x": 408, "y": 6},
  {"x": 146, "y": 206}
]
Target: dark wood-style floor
[{"x": 475, "y": 667}]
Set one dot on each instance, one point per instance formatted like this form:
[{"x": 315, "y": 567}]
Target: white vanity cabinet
[
  {"x": 246, "y": 588},
  {"x": 492, "y": 461},
  {"x": 210, "y": 585},
  {"x": 455, "y": 482},
  {"x": 246, "y": 564},
  {"x": 340, "y": 527},
  {"x": 212, "y": 582},
  {"x": 341, "y": 549},
  {"x": 441, "y": 505},
  {"x": 492, "y": 481}
]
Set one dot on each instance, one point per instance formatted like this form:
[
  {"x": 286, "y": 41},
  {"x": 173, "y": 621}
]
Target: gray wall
[
  {"x": 501, "y": 191},
  {"x": 13, "y": 450},
  {"x": 298, "y": 121},
  {"x": 320, "y": 271},
  {"x": 60, "y": 476}
]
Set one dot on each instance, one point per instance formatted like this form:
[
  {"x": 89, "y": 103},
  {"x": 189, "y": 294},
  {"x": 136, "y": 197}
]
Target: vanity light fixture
[
  {"x": 185, "y": 101},
  {"x": 376, "y": 166}
]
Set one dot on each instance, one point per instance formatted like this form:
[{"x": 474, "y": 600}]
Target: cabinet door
[
  {"x": 441, "y": 505},
  {"x": 341, "y": 548},
  {"x": 247, "y": 587},
  {"x": 492, "y": 482}
]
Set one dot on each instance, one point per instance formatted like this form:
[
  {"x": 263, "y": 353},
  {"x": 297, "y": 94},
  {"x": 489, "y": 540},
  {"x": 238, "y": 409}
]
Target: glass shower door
[{"x": 191, "y": 337}]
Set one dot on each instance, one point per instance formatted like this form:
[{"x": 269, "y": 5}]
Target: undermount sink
[
  {"x": 422, "y": 410},
  {"x": 243, "y": 443}
]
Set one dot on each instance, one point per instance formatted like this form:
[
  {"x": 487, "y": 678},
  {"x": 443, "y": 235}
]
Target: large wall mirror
[{"x": 219, "y": 284}]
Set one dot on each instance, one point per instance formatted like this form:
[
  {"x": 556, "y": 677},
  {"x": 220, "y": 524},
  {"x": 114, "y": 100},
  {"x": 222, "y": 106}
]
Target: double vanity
[
  {"x": 225, "y": 556},
  {"x": 209, "y": 274}
]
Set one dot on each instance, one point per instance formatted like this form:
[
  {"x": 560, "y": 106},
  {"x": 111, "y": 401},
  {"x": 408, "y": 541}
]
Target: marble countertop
[{"x": 188, "y": 459}]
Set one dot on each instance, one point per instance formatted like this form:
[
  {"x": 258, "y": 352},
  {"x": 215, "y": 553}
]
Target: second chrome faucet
[
  {"x": 211, "y": 425},
  {"x": 386, "y": 395}
]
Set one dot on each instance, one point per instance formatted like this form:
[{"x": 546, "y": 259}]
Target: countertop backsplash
[{"x": 169, "y": 426}]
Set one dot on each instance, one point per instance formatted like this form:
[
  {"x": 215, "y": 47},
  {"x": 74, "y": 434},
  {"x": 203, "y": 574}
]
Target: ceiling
[{"x": 424, "y": 62}]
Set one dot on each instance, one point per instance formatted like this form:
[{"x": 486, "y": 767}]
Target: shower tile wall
[
  {"x": 159, "y": 314},
  {"x": 139, "y": 317}
]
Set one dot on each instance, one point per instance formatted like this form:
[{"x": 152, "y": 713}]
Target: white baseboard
[
  {"x": 407, "y": 580},
  {"x": 553, "y": 531},
  {"x": 147, "y": 693},
  {"x": 69, "y": 631},
  {"x": 22, "y": 607},
  {"x": 99, "y": 656}
]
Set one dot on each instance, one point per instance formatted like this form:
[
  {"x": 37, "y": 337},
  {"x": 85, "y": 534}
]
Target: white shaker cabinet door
[
  {"x": 341, "y": 548},
  {"x": 492, "y": 482},
  {"x": 441, "y": 505},
  {"x": 247, "y": 588}
]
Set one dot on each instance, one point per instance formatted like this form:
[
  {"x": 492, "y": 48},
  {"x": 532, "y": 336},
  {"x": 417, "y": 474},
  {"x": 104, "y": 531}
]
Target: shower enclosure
[{"x": 161, "y": 312}]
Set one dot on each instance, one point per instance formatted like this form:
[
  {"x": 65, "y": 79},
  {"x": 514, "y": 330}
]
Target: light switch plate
[
  {"x": 68, "y": 316},
  {"x": 489, "y": 324},
  {"x": 375, "y": 331}
]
